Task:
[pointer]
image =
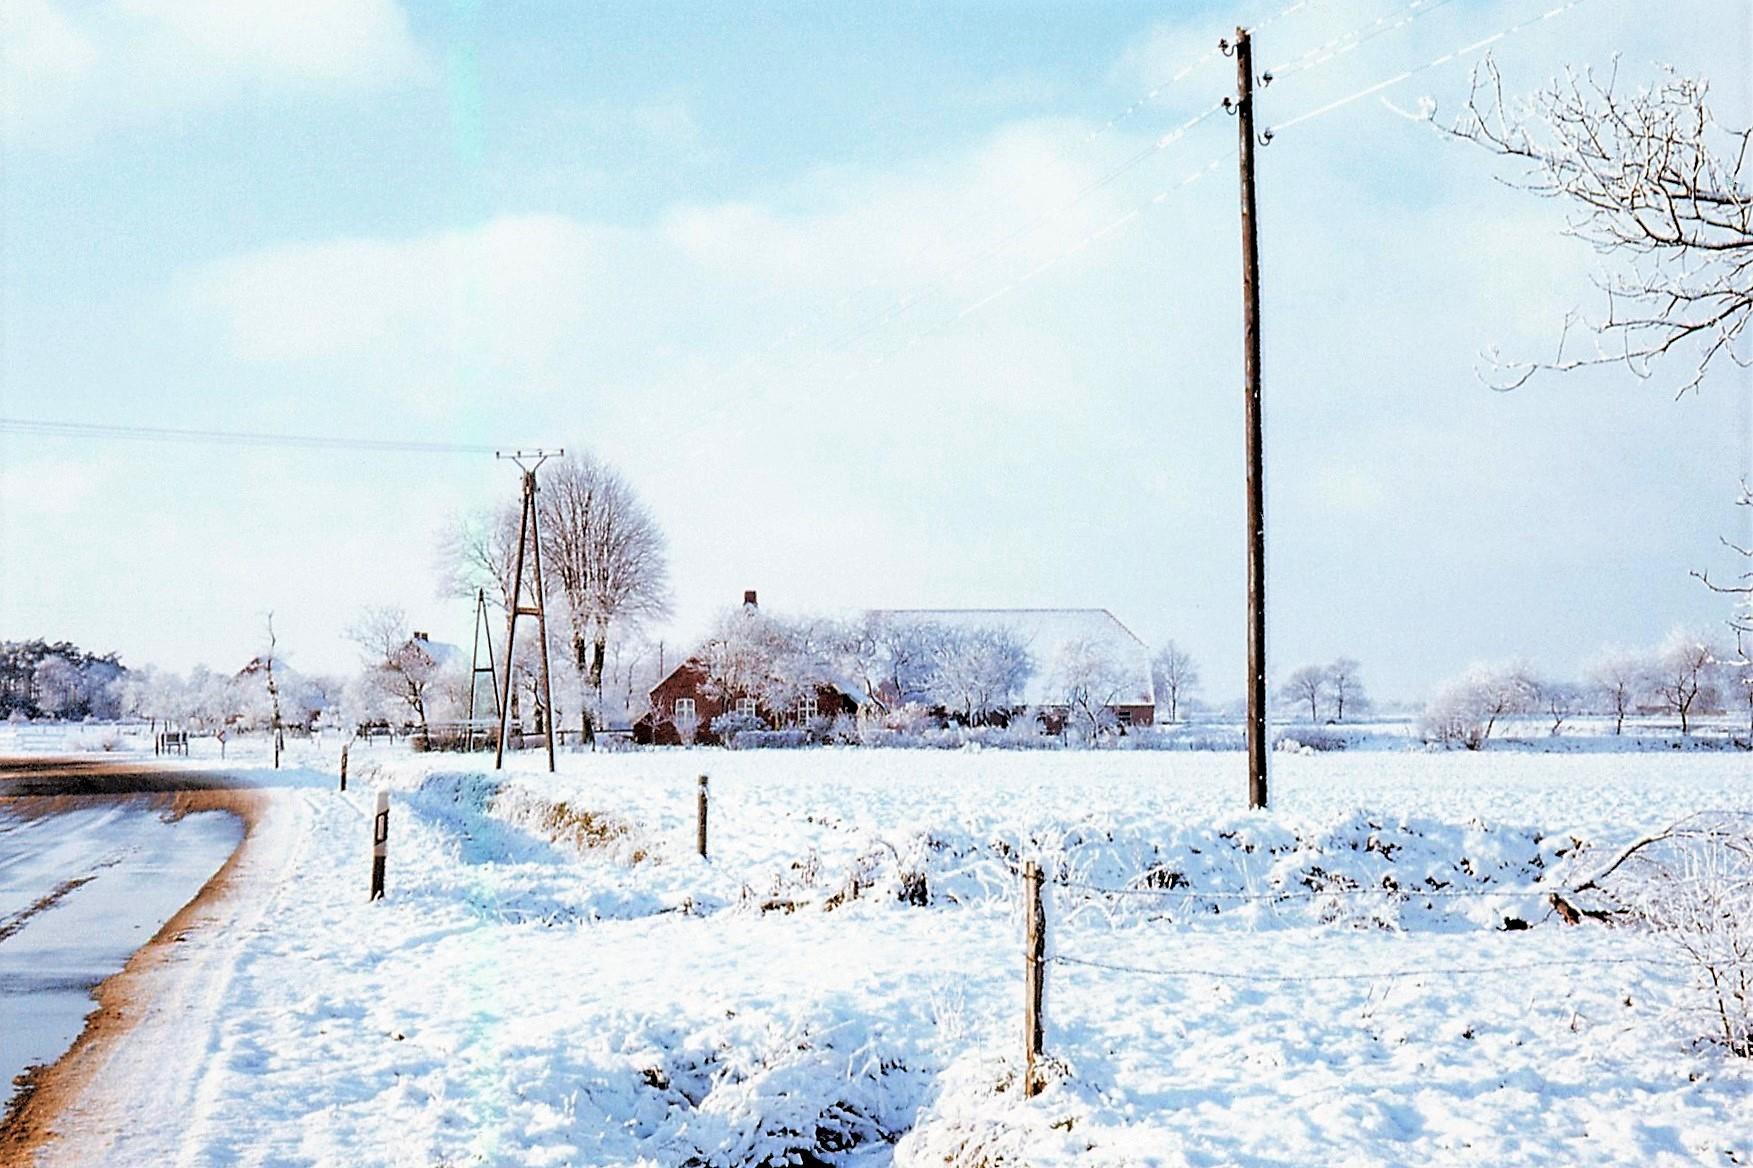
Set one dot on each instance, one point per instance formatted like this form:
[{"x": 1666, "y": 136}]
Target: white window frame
[
  {"x": 685, "y": 708},
  {"x": 807, "y": 708},
  {"x": 748, "y": 707}
]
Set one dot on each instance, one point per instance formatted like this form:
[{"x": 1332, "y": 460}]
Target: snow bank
[{"x": 555, "y": 978}]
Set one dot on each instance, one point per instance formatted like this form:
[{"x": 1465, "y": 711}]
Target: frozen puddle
[{"x": 80, "y": 891}]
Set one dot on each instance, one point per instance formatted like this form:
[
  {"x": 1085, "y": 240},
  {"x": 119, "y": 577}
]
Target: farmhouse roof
[{"x": 1047, "y": 633}]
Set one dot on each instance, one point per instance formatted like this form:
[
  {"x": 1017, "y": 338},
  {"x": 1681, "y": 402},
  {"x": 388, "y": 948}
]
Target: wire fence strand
[{"x": 1432, "y": 972}]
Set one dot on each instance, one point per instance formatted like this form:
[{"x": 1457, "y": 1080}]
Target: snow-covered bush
[
  {"x": 1309, "y": 738},
  {"x": 1693, "y": 885},
  {"x": 731, "y": 724},
  {"x": 789, "y": 738}
]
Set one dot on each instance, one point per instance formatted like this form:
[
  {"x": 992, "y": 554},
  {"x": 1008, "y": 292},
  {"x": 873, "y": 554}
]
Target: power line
[
  {"x": 1444, "y": 59},
  {"x": 1347, "y": 42},
  {"x": 1194, "y": 64},
  {"x": 1096, "y": 236},
  {"x": 89, "y": 431}
]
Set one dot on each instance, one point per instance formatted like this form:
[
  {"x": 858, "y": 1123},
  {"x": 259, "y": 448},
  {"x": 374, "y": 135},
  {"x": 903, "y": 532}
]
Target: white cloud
[
  {"x": 47, "y": 489},
  {"x": 512, "y": 286},
  {"x": 73, "y": 72}
]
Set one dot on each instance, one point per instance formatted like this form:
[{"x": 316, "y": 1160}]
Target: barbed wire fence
[{"x": 1044, "y": 947}]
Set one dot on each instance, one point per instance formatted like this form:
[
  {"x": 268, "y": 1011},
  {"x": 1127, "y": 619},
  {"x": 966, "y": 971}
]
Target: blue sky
[{"x": 813, "y": 277}]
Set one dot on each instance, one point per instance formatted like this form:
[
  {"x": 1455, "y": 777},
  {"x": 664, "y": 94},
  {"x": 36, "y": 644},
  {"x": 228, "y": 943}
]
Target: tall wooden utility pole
[
  {"x": 529, "y": 539},
  {"x": 1243, "y": 108}
]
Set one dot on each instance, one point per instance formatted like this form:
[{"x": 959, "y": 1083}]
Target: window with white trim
[
  {"x": 806, "y": 709},
  {"x": 685, "y": 711},
  {"x": 746, "y": 707}
]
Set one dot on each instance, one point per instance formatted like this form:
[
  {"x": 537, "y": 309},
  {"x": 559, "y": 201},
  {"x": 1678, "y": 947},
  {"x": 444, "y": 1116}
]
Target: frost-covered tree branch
[{"x": 1657, "y": 186}]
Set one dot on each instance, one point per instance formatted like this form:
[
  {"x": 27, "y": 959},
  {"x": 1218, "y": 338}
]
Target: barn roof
[{"x": 1047, "y": 633}]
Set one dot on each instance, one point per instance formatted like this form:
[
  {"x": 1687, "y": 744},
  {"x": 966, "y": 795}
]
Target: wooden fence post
[
  {"x": 1034, "y": 975},
  {"x": 380, "y": 843},
  {"x": 344, "y": 747},
  {"x": 700, "y": 818}
]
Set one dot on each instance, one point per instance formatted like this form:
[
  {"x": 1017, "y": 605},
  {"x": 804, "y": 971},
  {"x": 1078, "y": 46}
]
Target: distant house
[
  {"x": 1050, "y": 635},
  {"x": 684, "y": 706},
  {"x": 685, "y": 703}
]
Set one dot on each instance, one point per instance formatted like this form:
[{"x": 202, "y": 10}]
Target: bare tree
[
  {"x": 1561, "y": 702},
  {"x": 1345, "y": 683},
  {"x": 1308, "y": 684},
  {"x": 1655, "y": 184},
  {"x": 1681, "y": 672},
  {"x": 1618, "y": 678},
  {"x": 606, "y": 555},
  {"x": 1175, "y": 675},
  {"x": 478, "y": 552}
]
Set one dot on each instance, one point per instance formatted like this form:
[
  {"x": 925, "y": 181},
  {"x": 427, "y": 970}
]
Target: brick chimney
[{"x": 749, "y": 600}]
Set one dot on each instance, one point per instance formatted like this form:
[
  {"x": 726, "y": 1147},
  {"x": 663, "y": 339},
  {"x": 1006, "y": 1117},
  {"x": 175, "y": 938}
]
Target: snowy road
[{"x": 80, "y": 891}]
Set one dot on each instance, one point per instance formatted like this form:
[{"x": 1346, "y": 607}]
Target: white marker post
[
  {"x": 700, "y": 819},
  {"x": 380, "y": 844}
]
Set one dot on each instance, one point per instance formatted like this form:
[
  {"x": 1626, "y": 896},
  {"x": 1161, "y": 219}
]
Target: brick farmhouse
[{"x": 684, "y": 704}]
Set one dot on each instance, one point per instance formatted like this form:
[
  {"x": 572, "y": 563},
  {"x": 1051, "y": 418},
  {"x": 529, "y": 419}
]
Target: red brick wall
[{"x": 689, "y": 681}]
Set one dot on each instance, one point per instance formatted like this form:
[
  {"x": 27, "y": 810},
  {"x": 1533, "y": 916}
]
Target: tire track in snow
[{"x": 164, "y": 1066}]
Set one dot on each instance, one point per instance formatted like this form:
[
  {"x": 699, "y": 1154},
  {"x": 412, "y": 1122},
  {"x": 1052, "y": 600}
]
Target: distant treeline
[{"x": 57, "y": 679}]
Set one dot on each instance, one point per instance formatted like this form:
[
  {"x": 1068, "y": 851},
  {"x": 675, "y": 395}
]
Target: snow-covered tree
[
  {"x": 58, "y": 684},
  {"x": 741, "y": 653},
  {"x": 1307, "y": 686},
  {"x": 605, "y": 552},
  {"x": 403, "y": 669},
  {"x": 1176, "y": 677},
  {"x": 1738, "y": 668},
  {"x": 978, "y": 673},
  {"x": 1089, "y": 682},
  {"x": 1659, "y": 188},
  {"x": 1467, "y": 709}
]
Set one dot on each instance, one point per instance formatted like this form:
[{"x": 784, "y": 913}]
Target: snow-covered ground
[
  {"x": 79, "y": 892},
  {"x": 555, "y": 978}
]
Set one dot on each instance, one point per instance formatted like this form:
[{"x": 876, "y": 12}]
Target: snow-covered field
[{"x": 555, "y": 978}]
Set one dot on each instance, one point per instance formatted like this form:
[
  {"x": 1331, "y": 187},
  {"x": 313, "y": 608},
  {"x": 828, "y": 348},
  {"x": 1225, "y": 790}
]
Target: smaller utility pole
[
  {"x": 529, "y": 542},
  {"x": 1243, "y": 107},
  {"x": 483, "y": 631}
]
